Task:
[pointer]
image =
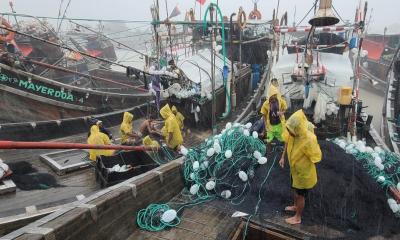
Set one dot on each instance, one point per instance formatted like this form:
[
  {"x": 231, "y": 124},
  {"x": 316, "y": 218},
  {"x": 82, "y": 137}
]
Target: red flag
[{"x": 201, "y": 1}]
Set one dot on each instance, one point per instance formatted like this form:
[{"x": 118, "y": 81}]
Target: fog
[{"x": 384, "y": 13}]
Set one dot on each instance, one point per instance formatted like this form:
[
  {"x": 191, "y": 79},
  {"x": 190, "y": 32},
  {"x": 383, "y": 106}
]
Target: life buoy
[
  {"x": 255, "y": 14},
  {"x": 241, "y": 20},
  {"x": 10, "y": 36}
]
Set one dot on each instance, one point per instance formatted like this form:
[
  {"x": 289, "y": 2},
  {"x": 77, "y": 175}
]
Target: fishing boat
[
  {"x": 341, "y": 203},
  {"x": 36, "y": 86}
]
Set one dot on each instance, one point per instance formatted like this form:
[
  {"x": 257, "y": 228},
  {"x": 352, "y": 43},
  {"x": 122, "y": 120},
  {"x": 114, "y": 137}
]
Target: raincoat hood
[
  {"x": 272, "y": 90},
  {"x": 174, "y": 110},
  {"x": 147, "y": 141},
  {"x": 128, "y": 117},
  {"x": 297, "y": 123},
  {"x": 94, "y": 130},
  {"x": 165, "y": 112},
  {"x": 98, "y": 138}
]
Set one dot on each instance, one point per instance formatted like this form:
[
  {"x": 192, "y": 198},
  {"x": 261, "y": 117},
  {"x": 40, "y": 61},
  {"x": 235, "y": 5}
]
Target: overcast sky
[{"x": 385, "y": 12}]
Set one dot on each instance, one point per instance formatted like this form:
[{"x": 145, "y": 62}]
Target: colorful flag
[
  {"x": 175, "y": 12},
  {"x": 201, "y": 1}
]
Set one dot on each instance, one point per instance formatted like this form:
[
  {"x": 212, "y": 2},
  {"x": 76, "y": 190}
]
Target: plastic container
[
  {"x": 345, "y": 96},
  {"x": 139, "y": 160}
]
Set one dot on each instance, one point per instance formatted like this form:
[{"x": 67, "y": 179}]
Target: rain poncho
[
  {"x": 265, "y": 109},
  {"x": 179, "y": 117},
  {"x": 171, "y": 126},
  {"x": 98, "y": 138},
  {"x": 126, "y": 127},
  {"x": 148, "y": 142},
  {"x": 303, "y": 151}
]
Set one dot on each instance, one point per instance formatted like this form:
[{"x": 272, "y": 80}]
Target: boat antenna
[
  {"x": 63, "y": 16},
  {"x": 13, "y": 11}
]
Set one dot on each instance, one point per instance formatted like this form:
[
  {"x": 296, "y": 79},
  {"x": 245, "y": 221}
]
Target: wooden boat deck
[{"x": 81, "y": 182}]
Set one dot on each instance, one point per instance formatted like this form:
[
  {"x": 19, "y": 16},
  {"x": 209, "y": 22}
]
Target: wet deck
[
  {"x": 74, "y": 185},
  {"x": 199, "y": 222}
]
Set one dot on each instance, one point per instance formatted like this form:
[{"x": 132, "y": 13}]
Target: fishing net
[
  {"x": 221, "y": 167},
  {"x": 382, "y": 166}
]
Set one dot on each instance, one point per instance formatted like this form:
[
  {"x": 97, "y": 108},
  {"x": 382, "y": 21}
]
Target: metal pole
[
  {"x": 356, "y": 90},
  {"x": 213, "y": 107},
  {"x": 65, "y": 145},
  {"x": 156, "y": 34},
  {"x": 233, "y": 98}
]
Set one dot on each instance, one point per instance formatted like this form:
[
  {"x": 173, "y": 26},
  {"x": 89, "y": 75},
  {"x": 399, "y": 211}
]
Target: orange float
[{"x": 10, "y": 36}]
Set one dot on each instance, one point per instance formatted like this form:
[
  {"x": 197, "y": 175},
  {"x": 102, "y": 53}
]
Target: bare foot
[
  {"x": 290, "y": 208},
  {"x": 293, "y": 220}
]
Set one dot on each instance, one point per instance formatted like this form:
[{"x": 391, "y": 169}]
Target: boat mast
[{"x": 356, "y": 85}]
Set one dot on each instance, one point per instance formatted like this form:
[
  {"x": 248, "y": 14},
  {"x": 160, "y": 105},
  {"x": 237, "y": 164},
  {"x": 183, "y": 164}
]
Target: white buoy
[
  {"x": 395, "y": 208},
  {"x": 184, "y": 151},
  {"x": 196, "y": 165},
  {"x": 255, "y": 134},
  {"x": 194, "y": 189},
  {"x": 192, "y": 176},
  {"x": 248, "y": 125},
  {"x": 257, "y": 155},
  {"x": 168, "y": 216},
  {"x": 226, "y": 194},
  {"x": 228, "y": 153},
  {"x": 243, "y": 176},
  {"x": 228, "y": 126},
  {"x": 381, "y": 179},
  {"x": 210, "y": 152},
  {"x": 262, "y": 160},
  {"x": 217, "y": 148},
  {"x": 205, "y": 163},
  {"x": 391, "y": 201},
  {"x": 210, "y": 185},
  {"x": 246, "y": 132},
  {"x": 398, "y": 186}
]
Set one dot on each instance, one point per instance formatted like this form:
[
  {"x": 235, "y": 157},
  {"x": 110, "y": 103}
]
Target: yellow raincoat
[
  {"x": 148, "y": 142},
  {"x": 171, "y": 126},
  {"x": 272, "y": 90},
  {"x": 98, "y": 138},
  {"x": 126, "y": 127},
  {"x": 179, "y": 117},
  {"x": 303, "y": 151}
]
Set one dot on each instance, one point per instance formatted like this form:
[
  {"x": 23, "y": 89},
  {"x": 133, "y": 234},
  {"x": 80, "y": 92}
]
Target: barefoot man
[{"x": 303, "y": 152}]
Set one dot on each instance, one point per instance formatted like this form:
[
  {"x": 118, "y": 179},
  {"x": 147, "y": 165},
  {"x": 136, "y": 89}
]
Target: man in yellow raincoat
[
  {"x": 98, "y": 138},
  {"x": 173, "y": 136},
  {"x": 148, "y": 142},
  {"x": 273, "y": 111},
  {"x": 128, "y": 136},
  {"x": 179, "y": 117},
  {"x": 303, "y": 152}
]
